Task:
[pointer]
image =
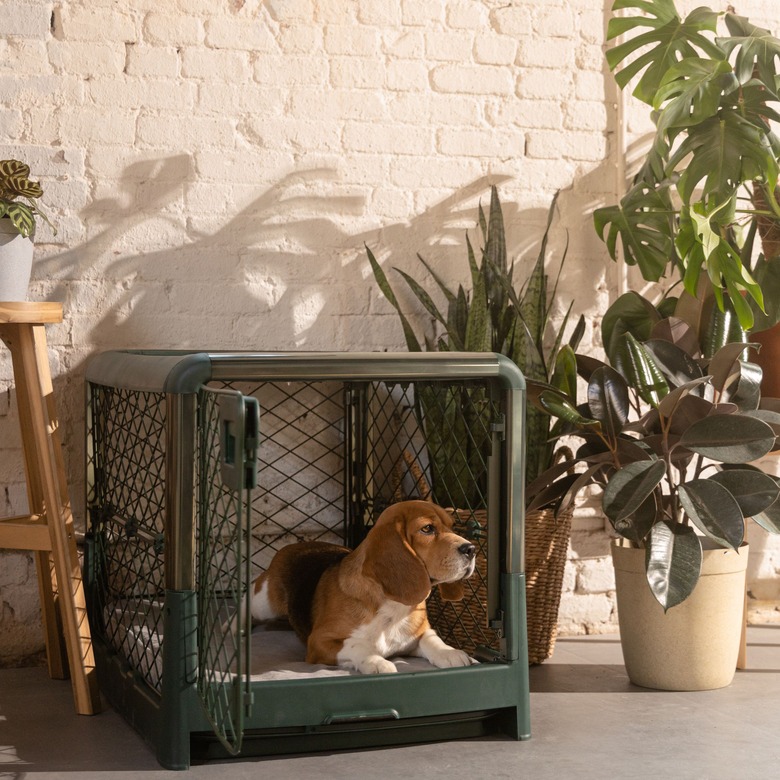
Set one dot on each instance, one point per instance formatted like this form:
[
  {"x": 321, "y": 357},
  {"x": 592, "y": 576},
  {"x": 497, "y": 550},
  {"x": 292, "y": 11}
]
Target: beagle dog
[{"x": 355, "y": 609}]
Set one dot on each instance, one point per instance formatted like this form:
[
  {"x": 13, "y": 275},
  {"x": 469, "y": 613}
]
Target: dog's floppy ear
[
  {"x": 452, "y": 591},
  {"x": 391, "y": 562}
]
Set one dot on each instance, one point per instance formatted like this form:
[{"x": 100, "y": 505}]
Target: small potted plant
[
  {"x": 708, "y": 186},
  {"x": 18, "y": 212},
  {"x": 669, "y": 436},
  {"x": 495, "y": 316}
]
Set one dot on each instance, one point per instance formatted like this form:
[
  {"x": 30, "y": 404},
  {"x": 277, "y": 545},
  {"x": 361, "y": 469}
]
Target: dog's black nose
[{"x": 469, "y": 550}]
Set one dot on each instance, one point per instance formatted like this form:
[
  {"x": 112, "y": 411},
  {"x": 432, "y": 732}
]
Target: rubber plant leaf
[
  {"x": 673, "y": 563},
  {"x": 608, "y": 401},
  {"x": 630, "y": 313},
  {"x": 729, "y": 438},
  {"x": 678, "y": 332},
  {"x": 642, "y": 373},
  {"x": 557, "y": 406},
  {"x": 412, "y": 344},
  {"x": 671, "y": 403},
  {"x": 713, "y": 510},
  {"x": 676, "y": 365},
  {"x": 635, "y": 527},
  {"x": 725, "y": 366},
  {"x": 754, "y": 491},
  {"x": 630, "y": 486}
]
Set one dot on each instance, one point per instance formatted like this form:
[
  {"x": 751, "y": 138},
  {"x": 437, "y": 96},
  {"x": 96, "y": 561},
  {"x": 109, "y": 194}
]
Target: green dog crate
[{"x": 202, "y": 464}]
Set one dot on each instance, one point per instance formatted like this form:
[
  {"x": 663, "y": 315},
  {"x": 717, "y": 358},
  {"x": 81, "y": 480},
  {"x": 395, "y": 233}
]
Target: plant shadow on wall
[{"x": 279, "y": 274}]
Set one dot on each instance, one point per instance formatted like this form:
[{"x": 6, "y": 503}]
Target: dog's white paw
[
  {"x": 448, "y": 657},
  {"x": 376, "y": 665}
]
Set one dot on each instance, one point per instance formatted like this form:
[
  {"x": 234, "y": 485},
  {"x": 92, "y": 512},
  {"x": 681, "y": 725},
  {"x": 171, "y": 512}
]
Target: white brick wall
[{"x": 215, "y": 168}]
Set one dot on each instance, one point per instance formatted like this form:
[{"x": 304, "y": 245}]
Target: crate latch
[{"x": 239, "y": 420}]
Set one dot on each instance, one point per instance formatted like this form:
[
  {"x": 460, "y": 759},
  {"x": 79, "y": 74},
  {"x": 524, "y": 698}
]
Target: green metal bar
[
  {"x": 182, "y": 372},
  {"x": 179, "y": 492}
]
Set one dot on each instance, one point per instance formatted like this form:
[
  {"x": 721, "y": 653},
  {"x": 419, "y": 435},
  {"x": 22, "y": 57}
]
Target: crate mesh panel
[
  {"x": 432, "y": 441},
  {"x": 300, "y": 484},
  {"x": 221, "y": 540},
  {"x": 128, "y": 500}
]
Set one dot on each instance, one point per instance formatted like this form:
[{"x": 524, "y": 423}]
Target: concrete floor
[{"x": 588, "y": 721}]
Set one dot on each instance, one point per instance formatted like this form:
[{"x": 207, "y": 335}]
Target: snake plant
[
  {"x": 669, "y": 435},
  {"x": 493, "y": 316},
  {"x": 15, "y": 184},
  {"x": 709, "y": 182}
]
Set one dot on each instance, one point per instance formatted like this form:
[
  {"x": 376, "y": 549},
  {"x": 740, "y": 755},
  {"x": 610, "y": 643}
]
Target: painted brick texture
[{"x": 215, "y": 168}]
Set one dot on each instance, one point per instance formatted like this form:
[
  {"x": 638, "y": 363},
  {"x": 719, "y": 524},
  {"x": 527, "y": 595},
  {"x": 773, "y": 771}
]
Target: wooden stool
[{"x": 48, "y": 529}]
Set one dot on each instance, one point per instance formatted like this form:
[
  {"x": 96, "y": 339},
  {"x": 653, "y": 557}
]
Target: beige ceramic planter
[
  {"x": 16, "y": 254},
  {"x": 693, "y": 646}
]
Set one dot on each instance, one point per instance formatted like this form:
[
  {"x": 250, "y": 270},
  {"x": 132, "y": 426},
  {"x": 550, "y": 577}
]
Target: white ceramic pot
[
  {"x": 694, "y": 646},
  {"x": 16, "y": 254}
]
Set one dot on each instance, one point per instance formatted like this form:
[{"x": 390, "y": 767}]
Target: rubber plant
[
  {"x": 18, "y": 197},
  {"x": 709, "y": 182},
  {"x": 495, "y": 315},
  {"x": 669, "y": 436}
]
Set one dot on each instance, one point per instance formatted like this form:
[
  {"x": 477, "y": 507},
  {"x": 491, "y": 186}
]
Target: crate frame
[{"x": 298, "y": 715}]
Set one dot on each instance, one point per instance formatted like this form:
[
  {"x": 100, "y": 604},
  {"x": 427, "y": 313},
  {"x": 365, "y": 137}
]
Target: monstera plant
[
  {"x": 669, "y": 437},
  {"x": 18, "y": 197},
  {"x": 709, "y": 182}
]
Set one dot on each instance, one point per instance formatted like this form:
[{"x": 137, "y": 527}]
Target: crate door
[{"x": 228, "y": 429}]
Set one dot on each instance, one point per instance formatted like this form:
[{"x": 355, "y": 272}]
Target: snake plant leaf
[
  {"x": 676, "y": 364},
  {"x": 564, "y": 375},
  {"x": 643, "y": 222},
  {"x": 636, "y": 526},
  {"x": 729, "y": 438},
  {"x": 713, "y": 510},
  {"x": 422, "y": 296},
  {"x": 753, "y": 490},
  {"x": 381, "y": 279},
  {"x": 756, "y": 48},
  {"x": 457, "y": 318},
  {"x": 673, "y": 563},
  {"x": 495, "y": 246},
  {"x": 630, "y": 486},
  {"x": 478, "y": 336},
  {"x": 608, "y": 401},
  {"x": 668, "y": 39},
  {"x": 642, "y": 372},
  {"x": 448, "y": 294}
]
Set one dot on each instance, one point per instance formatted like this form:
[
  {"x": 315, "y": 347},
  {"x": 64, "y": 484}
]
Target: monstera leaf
[{"x": 667, "y": 40}]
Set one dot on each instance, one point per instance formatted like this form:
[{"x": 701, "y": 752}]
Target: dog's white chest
[{"x": 389, "y": 633}]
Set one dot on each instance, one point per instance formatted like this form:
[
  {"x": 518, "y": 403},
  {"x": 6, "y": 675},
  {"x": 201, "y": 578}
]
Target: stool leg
[
  {"x": 40, "y": 436},
  {"x": 56, "y": 655}
]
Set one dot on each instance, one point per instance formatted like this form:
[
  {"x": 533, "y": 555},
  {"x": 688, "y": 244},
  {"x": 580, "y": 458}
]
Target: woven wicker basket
[{"x": 546, "y": 549}]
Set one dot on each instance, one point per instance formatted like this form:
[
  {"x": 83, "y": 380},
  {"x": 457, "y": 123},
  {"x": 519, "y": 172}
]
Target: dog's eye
[{"x": 428, "y": 529}]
